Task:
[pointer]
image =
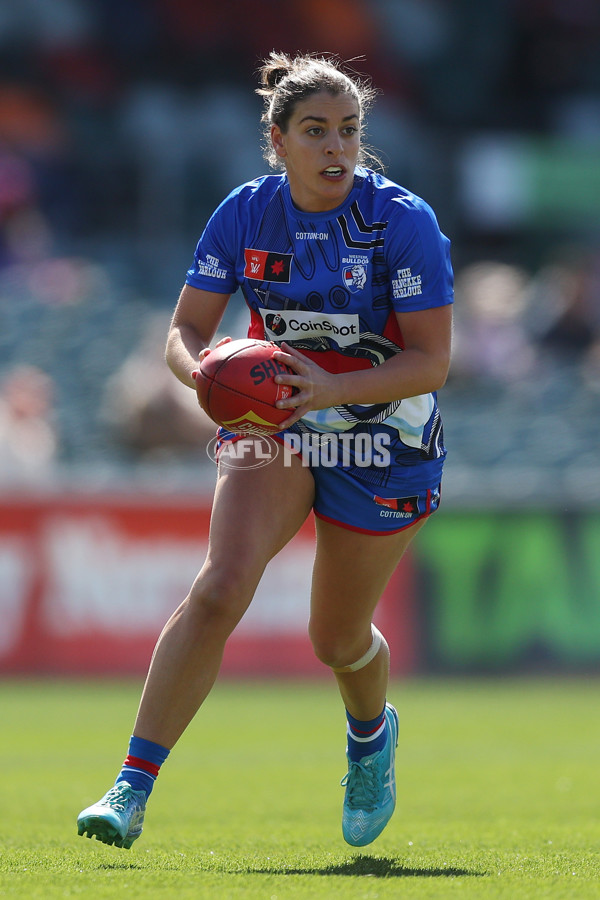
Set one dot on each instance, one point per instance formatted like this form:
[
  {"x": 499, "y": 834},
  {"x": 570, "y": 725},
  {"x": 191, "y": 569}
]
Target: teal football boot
[
  {"x": 370, "y": 785},
  {"x": 117, "y": 818}
]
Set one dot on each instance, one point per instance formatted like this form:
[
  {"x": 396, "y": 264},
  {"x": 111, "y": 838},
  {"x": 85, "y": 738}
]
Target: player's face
[{"x": 320, "y": 150}]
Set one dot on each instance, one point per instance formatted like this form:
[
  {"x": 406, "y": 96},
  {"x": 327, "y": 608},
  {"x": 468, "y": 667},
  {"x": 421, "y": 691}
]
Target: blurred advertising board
[
  {"x": 513, "y": 180},
  {"x": 87, "y": 583},
  {"x": 508, "y": 591}
]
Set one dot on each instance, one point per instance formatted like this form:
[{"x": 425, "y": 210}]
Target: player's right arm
[{"x": 193, "y": 326}]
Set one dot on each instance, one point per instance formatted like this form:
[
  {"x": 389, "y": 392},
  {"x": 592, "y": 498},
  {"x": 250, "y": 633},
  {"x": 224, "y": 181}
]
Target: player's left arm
[{"x": 422, "y": 367}]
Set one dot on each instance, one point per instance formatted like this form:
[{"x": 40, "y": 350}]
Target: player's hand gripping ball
[{"x": 236, "y": 387}]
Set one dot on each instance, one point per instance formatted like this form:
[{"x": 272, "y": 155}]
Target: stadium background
[{"x": 122, "y": 124}]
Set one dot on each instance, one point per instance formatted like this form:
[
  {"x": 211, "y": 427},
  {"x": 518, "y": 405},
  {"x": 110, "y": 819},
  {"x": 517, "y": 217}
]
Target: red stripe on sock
[
  {"x": 135, "y": 762},
  {"x": 372, "y": 731}
]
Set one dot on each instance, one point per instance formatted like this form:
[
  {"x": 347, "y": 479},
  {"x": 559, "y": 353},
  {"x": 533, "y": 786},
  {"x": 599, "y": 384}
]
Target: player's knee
[
  {"x": 219, "y": 602},
  {"x": 326, "y": 644},
  {"x": 340, "y": 650}
]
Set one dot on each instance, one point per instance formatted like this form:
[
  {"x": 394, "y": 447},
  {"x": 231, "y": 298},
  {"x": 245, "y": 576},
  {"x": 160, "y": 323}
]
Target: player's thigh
[
  {"x": 351, "y": 572},
  {"x": 256, "y": 511}
]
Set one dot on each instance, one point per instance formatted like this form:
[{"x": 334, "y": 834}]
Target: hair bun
[{"x": 276, "y": 74}]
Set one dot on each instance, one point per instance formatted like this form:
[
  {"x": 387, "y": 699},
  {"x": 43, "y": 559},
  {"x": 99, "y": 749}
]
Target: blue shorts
[{"x": 372, "y": 494}]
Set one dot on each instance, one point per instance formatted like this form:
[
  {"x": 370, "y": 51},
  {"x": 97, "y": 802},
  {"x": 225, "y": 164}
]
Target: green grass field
[{"x": 498, "y": 787}]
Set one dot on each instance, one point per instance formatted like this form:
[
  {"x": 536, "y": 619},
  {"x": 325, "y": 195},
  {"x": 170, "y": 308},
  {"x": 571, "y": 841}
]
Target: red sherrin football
[{"x": 236, "y": 388}]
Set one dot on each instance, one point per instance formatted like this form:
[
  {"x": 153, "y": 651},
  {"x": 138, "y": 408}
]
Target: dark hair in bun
[{"x": 286, "y": 81}]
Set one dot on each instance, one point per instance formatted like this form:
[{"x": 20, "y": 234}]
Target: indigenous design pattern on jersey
[{"x": 330, "y": 284}]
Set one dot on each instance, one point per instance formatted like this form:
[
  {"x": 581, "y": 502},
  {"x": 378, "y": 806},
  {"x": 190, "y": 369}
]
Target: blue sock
[
  {"x": 365, "y": 738},
  {"x": 142, "y": 765}
]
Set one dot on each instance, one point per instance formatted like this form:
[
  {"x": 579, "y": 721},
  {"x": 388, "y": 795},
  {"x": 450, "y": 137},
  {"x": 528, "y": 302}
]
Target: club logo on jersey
[
  {"x": 355, "y": 278},
  {"x": 297, "y": 324},
  {"x": 262, "y": 265}
]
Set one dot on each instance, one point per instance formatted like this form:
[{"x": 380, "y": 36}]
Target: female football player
[{"x": 350, "y": 274}]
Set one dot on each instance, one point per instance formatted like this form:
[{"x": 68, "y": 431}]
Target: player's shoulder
[
  {"x": 258, "y": 191},
  {"x": 392, "y": 198},
  {"x": 244, "y": 204}
]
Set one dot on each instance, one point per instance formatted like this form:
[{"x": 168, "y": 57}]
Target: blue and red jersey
[{"x": 330, "y": 284}]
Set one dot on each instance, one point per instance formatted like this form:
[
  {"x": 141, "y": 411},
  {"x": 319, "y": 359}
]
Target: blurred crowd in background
[{"x": 124, "y": 122}]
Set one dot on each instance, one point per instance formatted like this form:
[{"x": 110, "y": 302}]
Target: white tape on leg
[{"x": 367, "y": 657}]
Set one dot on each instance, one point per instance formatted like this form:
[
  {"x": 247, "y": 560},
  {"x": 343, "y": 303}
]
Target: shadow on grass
[
  {"x": 379, "y": 867},
  {"x": 119, "y": 865}
]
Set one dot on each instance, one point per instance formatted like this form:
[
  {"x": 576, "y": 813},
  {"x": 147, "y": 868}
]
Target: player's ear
[{"x": 278, "y": 141}]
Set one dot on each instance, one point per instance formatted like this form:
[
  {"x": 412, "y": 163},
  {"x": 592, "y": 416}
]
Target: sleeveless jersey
[{"x": 330, "y": 283}]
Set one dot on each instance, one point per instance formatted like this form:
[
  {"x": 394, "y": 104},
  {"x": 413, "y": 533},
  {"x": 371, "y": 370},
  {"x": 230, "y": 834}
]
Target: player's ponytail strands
[{"x": 378, "y": 640}]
